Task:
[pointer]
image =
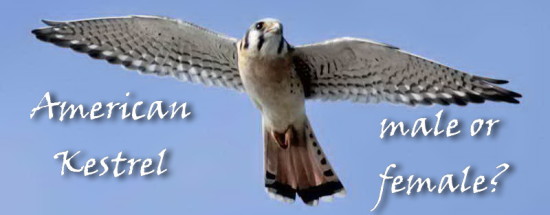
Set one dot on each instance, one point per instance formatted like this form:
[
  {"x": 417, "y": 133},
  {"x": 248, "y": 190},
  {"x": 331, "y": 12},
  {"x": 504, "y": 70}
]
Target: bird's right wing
[{"x": 152, "y": 45}]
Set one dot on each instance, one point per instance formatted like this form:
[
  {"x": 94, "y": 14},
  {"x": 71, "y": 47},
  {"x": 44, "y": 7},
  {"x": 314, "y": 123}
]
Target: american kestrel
[{"x": 279, "y": 78}]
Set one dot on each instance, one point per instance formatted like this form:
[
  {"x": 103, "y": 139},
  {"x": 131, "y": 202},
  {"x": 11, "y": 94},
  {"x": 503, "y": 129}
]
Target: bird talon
[
  {"x": 280, "y": 139},
  {"x": 289, "y": 136},
  {"x": 284, "y": 139}
]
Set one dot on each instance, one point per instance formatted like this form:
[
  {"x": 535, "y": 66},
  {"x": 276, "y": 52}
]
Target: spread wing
[
  {"x": 152, "y": 45},
  {"x": 366, "y": 71}
]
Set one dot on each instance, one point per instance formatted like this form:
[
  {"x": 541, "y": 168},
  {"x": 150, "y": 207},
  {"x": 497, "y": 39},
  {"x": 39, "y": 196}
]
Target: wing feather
[
  {"x": 365, "y": 71},
  {"x": 152, "y": 45}
]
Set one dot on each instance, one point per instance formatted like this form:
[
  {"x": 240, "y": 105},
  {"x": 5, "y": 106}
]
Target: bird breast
[{"x": 274, "y": 87}]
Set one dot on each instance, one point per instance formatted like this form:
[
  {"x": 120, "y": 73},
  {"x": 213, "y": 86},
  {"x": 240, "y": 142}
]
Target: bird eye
[{"x": 259, "y": 25}]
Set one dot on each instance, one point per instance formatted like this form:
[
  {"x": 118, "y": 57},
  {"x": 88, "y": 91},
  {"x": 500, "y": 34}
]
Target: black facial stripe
[
  {"x": 289, "y": 48},
  {"x": 281, "y": 45},
  {"x": 246, "y": 39},
  {"x": 261, "y": 41}
]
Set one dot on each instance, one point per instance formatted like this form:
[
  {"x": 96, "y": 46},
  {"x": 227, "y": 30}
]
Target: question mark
[{"x": 493, "y": 181}]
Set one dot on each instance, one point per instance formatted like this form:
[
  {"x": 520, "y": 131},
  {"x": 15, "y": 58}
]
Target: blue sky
[{"x": 216, "y": 156}]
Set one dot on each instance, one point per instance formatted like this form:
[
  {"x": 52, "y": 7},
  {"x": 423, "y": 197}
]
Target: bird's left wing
[
  {"x": 152, "y": 45},
  {"x": 366, "y": 71}
]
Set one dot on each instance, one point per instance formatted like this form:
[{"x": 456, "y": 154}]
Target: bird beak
[{"x": 275, "y": 28}]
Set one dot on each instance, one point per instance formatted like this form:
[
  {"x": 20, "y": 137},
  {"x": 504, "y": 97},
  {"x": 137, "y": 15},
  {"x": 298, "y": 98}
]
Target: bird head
[{"x": 265, "y": 39}]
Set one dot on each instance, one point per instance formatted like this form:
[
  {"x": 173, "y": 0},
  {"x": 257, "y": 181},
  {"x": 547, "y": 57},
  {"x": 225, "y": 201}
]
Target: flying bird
[{"x": 278, "y": 78}]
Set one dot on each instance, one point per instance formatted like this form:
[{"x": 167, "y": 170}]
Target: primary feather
[
  {"x": 366, "y": 71},
  {"x": 152, "y": 45}
]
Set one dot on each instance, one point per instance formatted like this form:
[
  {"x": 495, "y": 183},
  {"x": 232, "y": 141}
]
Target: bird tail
[{"x": 295, "y": 163}]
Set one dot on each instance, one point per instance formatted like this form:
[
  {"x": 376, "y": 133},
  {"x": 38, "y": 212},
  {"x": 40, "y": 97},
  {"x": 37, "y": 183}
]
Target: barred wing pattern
[
  {"x": 152, "y": 45},
  {"x": 366, "y": 71}
]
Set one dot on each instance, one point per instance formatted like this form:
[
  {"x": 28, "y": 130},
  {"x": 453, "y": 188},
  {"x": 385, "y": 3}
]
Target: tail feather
[{"x": 302, "y": 168}]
